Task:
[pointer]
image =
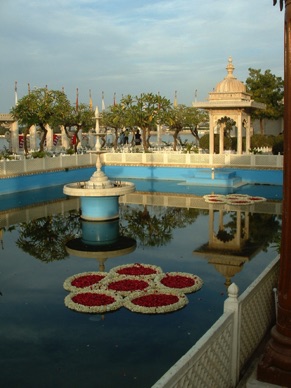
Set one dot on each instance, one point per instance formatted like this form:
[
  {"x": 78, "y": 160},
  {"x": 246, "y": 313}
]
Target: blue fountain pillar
[
  {"x": 99, "y": 208},
  {"x": 100, "y": 233}
]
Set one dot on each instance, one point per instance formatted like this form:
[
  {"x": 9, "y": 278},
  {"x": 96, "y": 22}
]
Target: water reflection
[
  {"x": 100, "y": 240},
  {"x": 235, "y": 237},
  {"x": 48, "y": 344},
  {"x": 154, "y": 225},
  {"x": 44, "y": 238}
]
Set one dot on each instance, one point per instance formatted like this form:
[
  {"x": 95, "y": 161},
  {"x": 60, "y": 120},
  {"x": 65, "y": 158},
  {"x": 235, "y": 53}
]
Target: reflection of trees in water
[
  {"x": 45, "y": 238},
  {"x": 265, "y": 229},
  {"x": 153, "y": 226}
]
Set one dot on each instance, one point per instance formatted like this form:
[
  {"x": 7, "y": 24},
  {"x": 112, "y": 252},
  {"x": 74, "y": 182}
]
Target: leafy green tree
[
  {"x": 268, "y": 89},
  {"x": 114, "y": 118},
  {"x": 41, "y": 107},
  {"x": 82, "y": 117},
  {"x": 182, "y": 117},
  {"x": 278, "y": 146},
  {"x": 146, "y": 112}
]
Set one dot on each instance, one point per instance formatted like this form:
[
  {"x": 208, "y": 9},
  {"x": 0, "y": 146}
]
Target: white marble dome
[{"x": 230, "y": 84}]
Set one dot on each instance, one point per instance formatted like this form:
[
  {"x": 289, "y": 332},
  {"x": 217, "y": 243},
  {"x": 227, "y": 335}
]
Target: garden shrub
[{"x": 278, "y": 147}]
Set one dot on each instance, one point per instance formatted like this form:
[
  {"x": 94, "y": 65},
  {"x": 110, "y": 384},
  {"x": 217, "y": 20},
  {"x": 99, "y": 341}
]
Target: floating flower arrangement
[
  {"x": 84, "y": 281},
  {"x": 239, "y": 201},
  {"x": 125, "y": 285},
  {"x": 214, "y": 198},
  {"x": 93, "y": 301},
  {"x": 137, "y": 269},
  {"x": 155, "y": 302},
  {"x": 257, "y": 199},
  {"x": 233, "y": 199},
  {"x": 145, "y": 288},
  {"x": 184, "y": 282}
]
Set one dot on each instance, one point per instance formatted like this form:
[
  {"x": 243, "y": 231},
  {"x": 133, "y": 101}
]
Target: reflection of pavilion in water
[
  {"x": 100, "y": 240},
  {"x": 228, "y": 249}
]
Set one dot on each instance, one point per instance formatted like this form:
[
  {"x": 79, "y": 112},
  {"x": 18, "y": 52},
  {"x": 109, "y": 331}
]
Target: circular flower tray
[
  {"x": 233, "y": 199},
  {"x": 84, "y": 281},
  {"x": 125, "y": 285},
  {"x": 234, "y": 196},
  {"x": 239, "y": 201},
  {"x": 179, "y": 281},
  {"x": 213, "y": 196},
  {"x": 93, "y": 301},
  {"x": 256, "y": 199},
  {"x": 155, "y": 302},
  {"x": 215, "y": 200},
  {"x": 142, "y": 270}
]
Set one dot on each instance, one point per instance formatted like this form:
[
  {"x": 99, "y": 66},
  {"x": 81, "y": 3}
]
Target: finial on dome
[{"x": 230, "y": 68}]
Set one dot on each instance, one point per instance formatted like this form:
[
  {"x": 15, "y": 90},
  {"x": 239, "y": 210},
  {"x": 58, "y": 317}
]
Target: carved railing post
[{"x": 231, "y": 304}]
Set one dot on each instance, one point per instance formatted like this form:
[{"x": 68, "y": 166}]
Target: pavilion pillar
[
  {"x": 275, "y": 365},
  {"x": 14, "y": 138},
  {"x": 238, "y": 229},
  {"x": 65, "y": 139},
  {"x": 32, "y": 138},
  {"x": 211, "y": 134},
  {"x": 211, "y": 226},
  {"x": 239, "y": 135},
  {"x": 248, "y": 134},
  {"x": 221, "y": 138},
  {"x": 49, "y": 138}
]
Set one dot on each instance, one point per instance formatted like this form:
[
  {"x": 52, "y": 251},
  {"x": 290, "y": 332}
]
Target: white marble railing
[
  {"x": 176, "y": 158},
  {"x": 23, "y": 166},
  {"x": 238, "y": 332}
]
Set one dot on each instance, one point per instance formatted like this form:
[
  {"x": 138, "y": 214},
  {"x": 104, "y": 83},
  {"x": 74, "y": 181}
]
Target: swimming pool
[{"x": 46, "y": 344}]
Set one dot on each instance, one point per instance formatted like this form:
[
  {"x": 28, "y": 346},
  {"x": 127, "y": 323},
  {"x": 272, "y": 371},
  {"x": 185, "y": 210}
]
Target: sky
[{"x": 134, "y": 46}]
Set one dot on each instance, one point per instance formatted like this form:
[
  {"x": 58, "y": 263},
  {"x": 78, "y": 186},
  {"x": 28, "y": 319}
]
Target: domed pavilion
[{"x": 229, "y": 100}]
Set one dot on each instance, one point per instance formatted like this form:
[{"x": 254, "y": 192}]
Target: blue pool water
[
  {"x": 44, "y": 344},
  {"x": 184, "y": 177},
  {"x": 18, "y": 199}
]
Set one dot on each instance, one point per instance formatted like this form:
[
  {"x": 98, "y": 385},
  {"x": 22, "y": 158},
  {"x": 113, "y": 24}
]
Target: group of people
[{"x": 123, "y": 139}]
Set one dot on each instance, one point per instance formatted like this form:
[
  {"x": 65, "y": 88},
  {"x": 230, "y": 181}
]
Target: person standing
[
  {"x": 121, "y": 138},
  {"x": 137, "y": 138},
  {"x": 126, "y": 133}
]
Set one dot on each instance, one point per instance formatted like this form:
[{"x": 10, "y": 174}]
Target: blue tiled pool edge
[{"x": 181, "y": 174}]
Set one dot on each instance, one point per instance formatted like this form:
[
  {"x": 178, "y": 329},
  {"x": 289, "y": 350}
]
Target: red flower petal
[
  {"x": 128, "y": 285},
  {"x": 155, "y": 300},
  {"x": 177, "y": 281},
  {"x": 92, "y": 299},
  {"x": 136, "y": 269},
  {"x": 87, "y": 280}
]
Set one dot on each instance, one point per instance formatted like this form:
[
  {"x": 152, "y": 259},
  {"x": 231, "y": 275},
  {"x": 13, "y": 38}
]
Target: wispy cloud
[{"x": 131, "y": 47}]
